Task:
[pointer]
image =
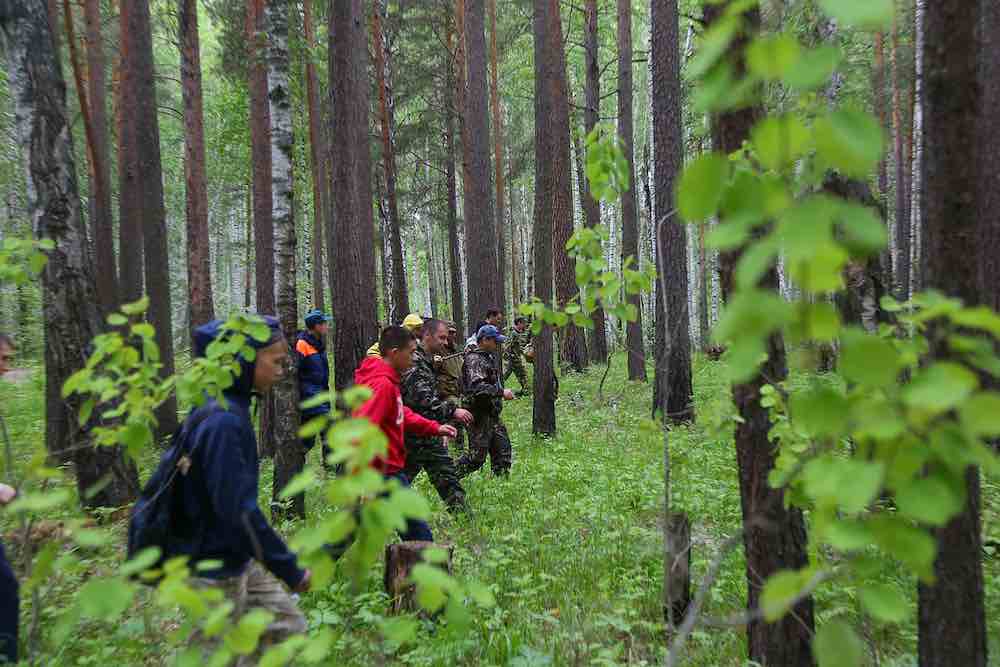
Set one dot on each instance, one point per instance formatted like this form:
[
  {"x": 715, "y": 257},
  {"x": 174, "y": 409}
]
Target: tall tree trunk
[
  {"x": 672, "y": 391},
  {"x": 69, "y": 304},
  {"x": 916, "y": 178},
  {"x": 516, "y": 268},
  {"x": 316, "y": 163},
  {"x": 903, "y": 238},
  {"x": 498, "y": 153},
  {"x": 573, "y": 348},
  {"x": 951, "y": 620},
  {"x": 454, "y": 256},
  {"x": 591, "y": 116},
  {"x": 630, "y": 223},
  {"x": 774, "y": 536},
  {"x": 432, "y": 287},
  {"x": 480, "y": 230},
  {"x": 130, "y": 273},
  {"x": 102, "y": 221},
  {"x": 988, "y": 165},
  {"x": 248, "y": 250},
  {"x": 383, "y": 74},
  {"x": 289, "y": 456},
  {"x": 352, "y": 265},
  {"x": 199, "y": 267},
  {"x": 548, "y": 42},
  {"x": 878, "y": 98},
  {"x": 140, "y": 93}
]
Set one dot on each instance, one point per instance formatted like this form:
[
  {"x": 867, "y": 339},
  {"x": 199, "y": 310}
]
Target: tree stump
[
  {"x": 399, "y": 561},
  {"x": 677, "y": 567}
]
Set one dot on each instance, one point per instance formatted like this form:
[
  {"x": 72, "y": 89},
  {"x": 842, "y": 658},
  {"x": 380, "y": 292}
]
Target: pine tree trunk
[
  {"x": 591, "y": 116},
  {"x": 480, "y": 227},
  {"x": 289, "y": 456},
  {"x": 774, "y": 536},
  {"x": 516, "y": 260},
  {"x": 498, "y": 153},
  {"x": 454, "y": 256},
  {"x": 140, "y": 93},
  {"x": 102, "y": 222},
  {"x": 672, "y": 391},
  {"x": 630, "y": 222},
  {"x": 548, "y": 43},
  {"x": 903, "y": 237},
  {"x": 400, "y": 298},
  {"x": 199, "y": 267},
  {"x": 352, "y": 259},
  {"x": 316, "y": 162},
  {"x": 130, "y": 273},
  {"x": 69, "y": 302},
  {"x": 951, "y": 621},
  {"x": 878, "y": 98}
]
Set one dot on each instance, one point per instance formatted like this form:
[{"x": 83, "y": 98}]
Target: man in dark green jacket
[
  {"x": 420, "y": 394},
  {"x": 484, "y": 395}
]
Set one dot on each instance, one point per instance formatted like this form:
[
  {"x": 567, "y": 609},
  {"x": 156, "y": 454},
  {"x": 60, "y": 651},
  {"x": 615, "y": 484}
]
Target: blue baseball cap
[
  {"x": 490, "y": 331},
  {"x": 316, "y": 316}
]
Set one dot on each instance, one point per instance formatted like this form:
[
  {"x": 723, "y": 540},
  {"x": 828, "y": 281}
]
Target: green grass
[{"x": 570, "y": 544}]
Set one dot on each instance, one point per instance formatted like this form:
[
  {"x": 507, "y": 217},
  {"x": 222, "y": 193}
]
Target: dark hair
[
  {"x": 431, "y": 326},
  {"x": 518, "y": 320},
  {"x": 493, "y": 311},
  {"x": 6, "y": 341},
  {"x": 393, "y": 338}
]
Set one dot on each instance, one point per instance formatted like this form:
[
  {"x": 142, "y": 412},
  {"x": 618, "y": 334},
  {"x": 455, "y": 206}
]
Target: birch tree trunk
[
  {"x": 903, "y": 235},
  {"x": 917, "y": 177},
  {"x": 316, "y": 161}
]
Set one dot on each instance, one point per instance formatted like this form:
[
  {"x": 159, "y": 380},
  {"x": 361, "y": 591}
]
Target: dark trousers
[
  {"x": 9, "y": 610},
  {"x": 307, "y": 443},
  {"x": 487, "y": 437},
  {"x": 433, "y": 456}
]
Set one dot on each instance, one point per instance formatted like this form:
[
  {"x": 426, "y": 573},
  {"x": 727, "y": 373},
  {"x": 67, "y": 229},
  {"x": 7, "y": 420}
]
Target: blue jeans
[
  {"x": 417, "y": 530},
  {"x": 9, "y": 610}
]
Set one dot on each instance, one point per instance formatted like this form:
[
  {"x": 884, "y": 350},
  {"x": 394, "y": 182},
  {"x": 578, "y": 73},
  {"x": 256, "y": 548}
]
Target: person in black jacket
[
  {"x": 9, "y": 590},
  {"x": 314, "y": 369},
  {"x": 219, "y": 519}
]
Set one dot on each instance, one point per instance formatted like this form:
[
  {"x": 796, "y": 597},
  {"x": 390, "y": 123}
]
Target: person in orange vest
[{"x": 314, "y": 369}]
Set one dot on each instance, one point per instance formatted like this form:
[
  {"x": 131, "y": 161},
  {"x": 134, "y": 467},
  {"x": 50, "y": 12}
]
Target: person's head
[
  {"x": 318, "y": 322},
  {"x": 396, "y": 345},
  {"x": 413, "y": 322},
  {"x": 520, "y": 324},
  {"x": 452, "y": 334},
  {"x": 488, "y": 337},
  {"x": 494, "y": 316},
  {"x": 6, "y": 353},
  {"x": 268, "y": 365},
  {"x": 434, "y": 336}
]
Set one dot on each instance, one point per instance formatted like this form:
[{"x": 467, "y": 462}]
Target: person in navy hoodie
[
  {"x": 9, "y": 592},
  {"x": 219, "y": 518},
  {"x": 314, "y": 369}
]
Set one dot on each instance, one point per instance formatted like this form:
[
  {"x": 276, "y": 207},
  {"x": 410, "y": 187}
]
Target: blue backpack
[{"x": 152, "y": 521}]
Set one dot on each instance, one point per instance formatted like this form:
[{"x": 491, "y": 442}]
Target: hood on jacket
[
  {"x": 312, "y": 339},
  {"x": 206, "y": 333},
  {"x": 373, "y": 369}
]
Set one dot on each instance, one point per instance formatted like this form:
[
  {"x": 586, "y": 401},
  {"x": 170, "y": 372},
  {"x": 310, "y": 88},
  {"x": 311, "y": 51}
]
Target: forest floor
[{"x": 570, "y": 544}]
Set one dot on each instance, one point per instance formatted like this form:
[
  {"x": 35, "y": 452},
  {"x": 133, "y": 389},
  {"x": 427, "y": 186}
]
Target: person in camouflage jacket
[
  {"x": 421, "y": 395},
  {"x": 485, "y": 395},
  {"x": 448, "y": 368},
  {"x": 513, "y": 353}
]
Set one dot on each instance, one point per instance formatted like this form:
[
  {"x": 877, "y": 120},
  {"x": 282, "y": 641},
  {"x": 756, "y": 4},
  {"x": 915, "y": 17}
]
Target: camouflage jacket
[
  {"x": 481, "y": 379},
  {"x": 516, "y": 342},
  {"x": 420, "y": 394},
  {"x": 449, "y": 377}
]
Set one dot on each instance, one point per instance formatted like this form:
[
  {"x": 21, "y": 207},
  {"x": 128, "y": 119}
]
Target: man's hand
[
  {"x": 462, "y": 415},
  {"x": 7, "y": 494},
  {"x": 448, "y": 431},
  {"x": 508, "y": 395},
  {"x": 305, "y": 583}
]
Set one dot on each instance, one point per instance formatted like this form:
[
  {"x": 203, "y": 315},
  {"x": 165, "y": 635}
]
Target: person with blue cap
[
  {"x": 314, "y": 369},
  {"x": 217, "y": 518},
  {"x": 485, "y": 395}
]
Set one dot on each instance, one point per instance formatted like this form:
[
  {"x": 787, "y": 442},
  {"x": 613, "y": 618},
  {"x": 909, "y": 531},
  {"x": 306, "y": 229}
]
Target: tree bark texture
[
  {"x": 903, "y": 236},
  {"x": 672, "y": 391},
  {"x": 139, "y": 92},
  {"x": 480, "y": 227},
  {"x": 383, "y": 83},
  {"x": 498, "y": 160},
  {"x": 774, "y": 536},
  {"x": 69, "y": 303},
  {"x": 102, "y": 221},
  {"x": 591, "y": 116},
  {"x": 547, "y": 39},
  {"x": 916, "y": 179},
  {"x": 878, "y": 98},
  {"x": 630, "y": 222},
  {"x": 260, "y": 159},
  {"x": 951, "y": 621},
  {"x": 316, "y": 161},
  {"x": 988, "y": 165},
  {"x": 289, "y": 455},
  {"x": 454, "y": 256},
  {"x": 130, "y": 274},
  {"x": 352, "y": 265},
  {"x": 199, "y": 267}
]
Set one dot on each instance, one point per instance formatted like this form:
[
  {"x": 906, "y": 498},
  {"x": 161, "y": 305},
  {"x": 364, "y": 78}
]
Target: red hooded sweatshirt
[{"x": 385, "y": 409}]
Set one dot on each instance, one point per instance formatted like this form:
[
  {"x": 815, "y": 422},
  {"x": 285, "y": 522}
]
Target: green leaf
[
  {"x": 117, "y": 320},
  {"x": 298, "y": 484},
  {"x": 868, "y": 360},
  {"x": 846, "y": 535},
  {"x": 780, "y": 141},
  {"x": 813, "y": 68},
  {"x": 780, "y": 590},
  {"x": 136, "y": 308},
  {"x": 714, "y": 44},
  {"x": 105, "y": 599},
  {"x": 822, "y": 411},
  {"x": 244, "y": 637},
  {"x": 980, "y": 415},
  {"x": 930, "y": 500},
  {"x": 398, "y": 630},
  {"x": 837, "y": 645},
  {"x": 771, "y": 57},
  {"x": 980, "y": 317},
  {"x": 701, "y": 187},
  {"x": 884, "y": 603},
  {"x": 940, "y": 387},
  {"x": 864, "y": 233},
  {"x": 910, "y": 545},
  {"x": 864, "y": 14},
  {"x": 850, "y": 141},
  {"x": 845, "y": 483}
]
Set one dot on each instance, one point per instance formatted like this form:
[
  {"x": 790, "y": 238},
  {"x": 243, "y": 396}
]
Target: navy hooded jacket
[
  {"x": 220, "y": 491},
  {"x": 314, "y": 371}
]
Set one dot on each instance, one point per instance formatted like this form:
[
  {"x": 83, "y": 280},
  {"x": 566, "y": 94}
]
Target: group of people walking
[{"x": 425, "y": 392}]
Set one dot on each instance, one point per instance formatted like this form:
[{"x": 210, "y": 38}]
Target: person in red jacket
[{"x": 385, "y": 409}]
